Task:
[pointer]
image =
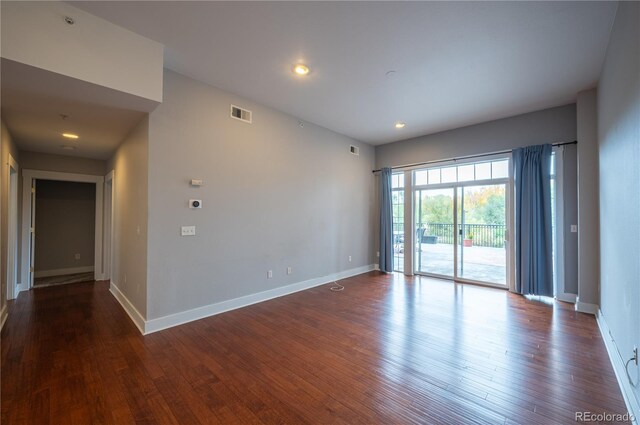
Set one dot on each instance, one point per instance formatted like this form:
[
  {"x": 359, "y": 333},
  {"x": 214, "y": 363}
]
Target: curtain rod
[{"x": 416, "y": 164}]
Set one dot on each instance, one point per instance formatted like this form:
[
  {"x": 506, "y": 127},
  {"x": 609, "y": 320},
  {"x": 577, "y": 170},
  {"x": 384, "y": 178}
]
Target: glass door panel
[
  {"x": 434, "y": 231},
  {"x": 482, "y": 254},
  {"x": 397, "y": 202}
]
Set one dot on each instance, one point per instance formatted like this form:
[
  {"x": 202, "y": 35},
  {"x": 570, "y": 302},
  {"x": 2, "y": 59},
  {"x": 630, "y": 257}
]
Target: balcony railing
[{"x": 489, "y": 235}]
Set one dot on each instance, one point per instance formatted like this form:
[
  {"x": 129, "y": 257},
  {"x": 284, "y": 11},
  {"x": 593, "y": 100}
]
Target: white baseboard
[
  {"x": 62, "y": 272},
  {"x": 176, "y": 319},
  {"x": 617, "y": 361},
  {"x": 586, "y": 307},
  {"x": 133, "y": 313},
  {"x": 4, "y": 313},
  {"x": 567, "y": 298}
]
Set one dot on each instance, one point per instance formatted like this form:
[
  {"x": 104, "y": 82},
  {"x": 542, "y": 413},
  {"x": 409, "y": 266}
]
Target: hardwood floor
[{"x": 387, "y": 350}]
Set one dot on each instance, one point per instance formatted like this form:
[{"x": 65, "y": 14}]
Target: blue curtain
[
  {"x": 534, "y": 262},
  {"x": 386, "y": 222}
]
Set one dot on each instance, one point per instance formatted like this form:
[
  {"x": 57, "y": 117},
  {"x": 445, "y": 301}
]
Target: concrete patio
[{"x": 479, "y": 263}]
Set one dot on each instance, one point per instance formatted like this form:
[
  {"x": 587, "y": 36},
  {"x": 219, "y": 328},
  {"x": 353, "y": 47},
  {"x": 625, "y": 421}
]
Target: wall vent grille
[
  {"x": 354, "y": 150},
  {"x": 241, "y": 114}
]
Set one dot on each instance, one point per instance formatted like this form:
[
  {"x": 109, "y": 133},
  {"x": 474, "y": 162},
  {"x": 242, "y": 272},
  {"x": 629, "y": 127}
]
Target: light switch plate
[
  {"x": 574, "y": 228},
  {"x": 188, "y": 230}
]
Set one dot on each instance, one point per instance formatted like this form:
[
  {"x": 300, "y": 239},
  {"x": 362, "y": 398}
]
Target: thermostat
[{"x": 195, "y": 203}]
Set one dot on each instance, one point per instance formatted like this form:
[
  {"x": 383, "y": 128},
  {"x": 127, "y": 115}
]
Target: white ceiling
[
  {"x": 456, "y": 63},
  {"x": 33, "y": 101}
]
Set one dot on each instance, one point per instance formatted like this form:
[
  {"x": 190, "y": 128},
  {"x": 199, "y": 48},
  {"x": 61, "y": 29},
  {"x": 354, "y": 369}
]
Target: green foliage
[
  {"x": 483, "y": 205},
  {"x": 437, "y": 209}
]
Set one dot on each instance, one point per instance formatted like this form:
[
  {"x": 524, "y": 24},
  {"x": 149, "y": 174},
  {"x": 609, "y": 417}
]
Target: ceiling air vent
[
  {"x": 240, "y": 114},
  {"x": 354, "y": 150}
]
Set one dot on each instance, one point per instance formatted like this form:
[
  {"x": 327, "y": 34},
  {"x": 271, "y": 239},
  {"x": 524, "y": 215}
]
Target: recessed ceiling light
[
  {"x": 301, "y": 69},
  {"x": 67, "y": 148},
  {"x": 70, "y": 135},
  {"x": 400, "y": 124}
]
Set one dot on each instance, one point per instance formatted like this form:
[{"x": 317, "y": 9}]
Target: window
[
  {"x": 434, "y": 176},
  {"x": 500, "y": 169},
  {"x": 483, "y": 171},
  {"x": 487, "y": 170},
  {"x": 397, "y": 202},
  {"x": 449, "y": 174},
  {"x": 421, "y": 177},
  {"x": 466, "y": 173}
]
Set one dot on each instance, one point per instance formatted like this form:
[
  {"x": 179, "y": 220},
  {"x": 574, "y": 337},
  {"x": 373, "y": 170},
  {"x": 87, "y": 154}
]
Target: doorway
[
  {"x": 12, "y": 229},
  {"x": 31, "y": 179},
  {"x": 462, "y": 221},
  {"x": 64, "y": 237}
]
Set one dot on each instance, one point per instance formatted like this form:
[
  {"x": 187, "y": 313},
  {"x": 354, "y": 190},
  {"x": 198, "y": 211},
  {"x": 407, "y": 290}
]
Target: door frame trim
[
  {"x": 109, "y": 227},
  {"x": 28, "y": 176}
]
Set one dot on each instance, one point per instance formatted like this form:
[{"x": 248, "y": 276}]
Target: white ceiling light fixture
[
  {"x": 70, "y": 136},
  {"x": 301, "y": 69},
  {"x": 400, "y": 124}
]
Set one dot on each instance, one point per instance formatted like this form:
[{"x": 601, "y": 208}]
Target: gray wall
[
  {"x": 65, "y": 225},
  {"x": 275, "y": 194},
  {"x": 62, "y": 164},
  {"x": 570, "y": 215},
  {"x": 588, "y": 238},
  {"x": 546, "y": 126},
  {"x": 129, "y": 262},
  {"x": 619, "y": 156},
  {"x": 7, "y": 147}
]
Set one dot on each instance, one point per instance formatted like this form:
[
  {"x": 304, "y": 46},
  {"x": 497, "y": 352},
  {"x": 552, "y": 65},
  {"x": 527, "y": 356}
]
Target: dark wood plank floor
[{"x": 388, "y": 350}]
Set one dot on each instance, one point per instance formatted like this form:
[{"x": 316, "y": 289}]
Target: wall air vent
[
  {"x": 354, "y": 150},
  {"x": 240, "y": 114}
]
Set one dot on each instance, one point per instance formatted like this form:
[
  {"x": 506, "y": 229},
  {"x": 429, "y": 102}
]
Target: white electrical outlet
[
  {"x": 574, "y": 228},
  {"x": 635, "y": 355},
  {"x": 349, "y": 258},
  {"x": 77, "y": 256},
  {"x": 289, "y": 270},
  {"x": 269, "y": 274},
  {"x": 188, "y": 230},
  {"x": 378, "y": 254}
]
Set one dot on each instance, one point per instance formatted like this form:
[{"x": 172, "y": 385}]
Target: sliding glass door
[
  {"x": 482, "y": 229},
  {"x": 461, "y": 221},
  {"x": 434, "y": 231}
]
